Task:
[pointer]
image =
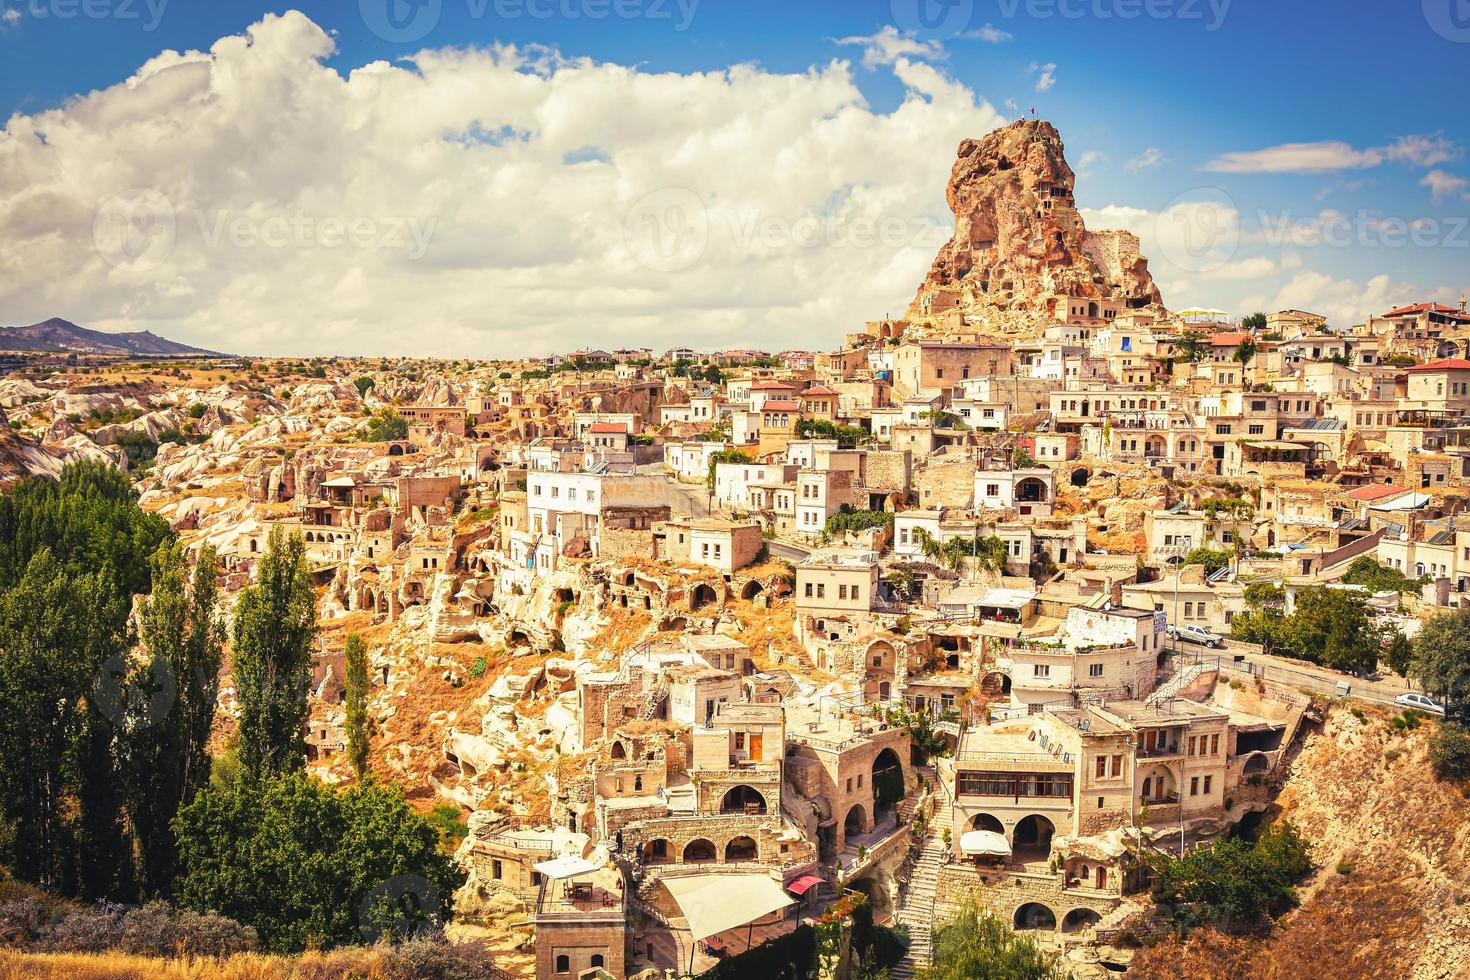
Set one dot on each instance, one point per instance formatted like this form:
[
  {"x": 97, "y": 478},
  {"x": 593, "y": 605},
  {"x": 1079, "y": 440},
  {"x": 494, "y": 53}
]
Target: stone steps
[{"x": 916, "y": 910}]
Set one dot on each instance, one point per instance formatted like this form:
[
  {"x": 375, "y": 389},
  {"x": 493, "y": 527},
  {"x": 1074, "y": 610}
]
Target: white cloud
[
  {"x": 1343, "y": 301},
  {"x": 1046, "y": 75},
  {"x": 551, "y": 188},
  {"x": 1330, "y": 155},
  {"x": 9, "y": 17},
  {"x": 988, "y": 34},
  {"x": 1443, "y": 184},
  {"x": 1149, "y": 159},
  {"x": 888, "y": 45},
  {"x": 1258, "y": 267},
  {"x": 1087, "y": 161}
]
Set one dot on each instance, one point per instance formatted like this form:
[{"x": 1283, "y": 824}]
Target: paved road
[
  {"x": 791, "y": 552},
  {"x": 1296, "y": 673}
]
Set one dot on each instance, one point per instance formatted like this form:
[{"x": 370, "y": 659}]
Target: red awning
[{"x": 800, "y": 885}]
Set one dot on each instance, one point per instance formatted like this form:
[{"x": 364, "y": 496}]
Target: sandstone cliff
[{"x": 1021, "y": 257}]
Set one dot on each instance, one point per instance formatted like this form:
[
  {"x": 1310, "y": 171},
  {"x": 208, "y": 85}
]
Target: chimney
[{"x": 1116, "y": 594}]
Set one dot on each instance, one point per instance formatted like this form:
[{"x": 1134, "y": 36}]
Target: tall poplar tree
[
  {"x": 356, "y": 705},
  {"x": 275, "y": 627},
  {"x": 170, "y": 707}
]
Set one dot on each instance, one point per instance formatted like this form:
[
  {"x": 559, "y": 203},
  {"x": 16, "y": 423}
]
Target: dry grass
[{"x": 359, "y": 964}]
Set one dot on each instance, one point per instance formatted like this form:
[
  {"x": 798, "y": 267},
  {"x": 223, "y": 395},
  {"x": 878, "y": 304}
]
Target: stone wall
[
  {"x": 888, "y": 470},
  {"x": 946, "y": 483},
  {"x": 1004, "y": 893}
]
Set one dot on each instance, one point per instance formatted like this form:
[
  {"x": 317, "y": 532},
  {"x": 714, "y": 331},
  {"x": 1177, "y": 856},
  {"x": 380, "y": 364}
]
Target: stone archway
[
  {"x": 741, "y": 849},
  {"x": 1080, "y": 477},
  {"x": 887, "y": 782},
  {"x": 1080, "y": 919},
  {"x": 1256, "y": 764},
  {"x": 657, "y": 851},
  {"x": 700, "y": 851},
  {"x": 1031, "y": 840},
  {"x": 986, "y": 821},
  {"x": 703, "y": 595},
  {"x": 752, "y": 589},
  {"x": 743, "y": 799},
  {"x": 1034, "y": 915},
  {"x": 856, "y": 821}
]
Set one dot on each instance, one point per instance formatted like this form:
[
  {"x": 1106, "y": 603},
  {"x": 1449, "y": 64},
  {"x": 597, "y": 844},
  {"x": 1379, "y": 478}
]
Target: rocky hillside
[
  {"x": 59, "y": 336},
  {"x": 1391, "y": 896},
  {"x": 1019, "y": 243}
]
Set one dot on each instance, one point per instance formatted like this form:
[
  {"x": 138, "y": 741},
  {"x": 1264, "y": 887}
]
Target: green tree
[
  {"x": 171, "y": 695},
  {"x": 309, "y": 867},
  {"x": 1192, "y": 345},
  {"x": 1367, "y": 572},
  {"x": 1399, "y": 653},
  {"x": 365, "y": 383},
  {"x": 275, "y": 628},
  {"x": 1441, "y": 661},
  {"x": 73, "y": 551},
  {"x": 385, "y": 425},
  {"x": 978, "y": 946},
  {"x": 1232, "y": 882},
  {"x": 1255, "y": 321},
  {"x": 1449, "y": 751},
  {"x": 1245, "y": 352},
  {"x": 1213, "y": 559},
  {"x": 356, "y": 705}
]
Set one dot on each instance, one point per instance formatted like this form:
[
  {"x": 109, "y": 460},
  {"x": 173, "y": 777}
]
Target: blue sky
[{"x": 1156, "y": 104}]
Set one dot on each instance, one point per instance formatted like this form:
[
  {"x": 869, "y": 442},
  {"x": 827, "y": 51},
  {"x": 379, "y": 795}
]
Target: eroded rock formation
[{"x": 1021, "y": 256}]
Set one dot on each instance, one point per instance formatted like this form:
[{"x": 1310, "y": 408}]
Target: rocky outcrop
[{"x": 1021, "y": 257}]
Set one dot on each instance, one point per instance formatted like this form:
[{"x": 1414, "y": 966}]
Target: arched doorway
[
  {"x": 887, "y": 780},
  {"x": 1256, "y": 764},
  {"x": 752, "y": 589},
  {"x": 856, "y": 821},
  {"x": 699, "y": 851},
  {"x": 703, "y": 595},
  {"x": 1080, "y": 477},
  {"x": 1031, "y": 491},
  {"x": 985, "y": 821},
  {"x": 740, "y": 849},
  {"x": 1080, "y": 919},
  {"x": 656, "y": 851},
  {"x": 1032, "y": 839},
  {"x": 1034, "y": 915},
  {"x": 743, "y": 799}
]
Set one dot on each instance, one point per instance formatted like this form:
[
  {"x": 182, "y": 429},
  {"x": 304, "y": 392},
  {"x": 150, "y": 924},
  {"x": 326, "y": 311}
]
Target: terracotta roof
[
  {"x": 1447, "y": 364},
  {"x": 1229, "y": 339},
  {"x": 780, "y": 405},
  {"x": 767, "y": 385},
  {"x": 818, "y": 390},
  {"x": 1375, "y": 491},
  {"x": 1423, "y": 308},
  {"x": 608, "y": 427}
]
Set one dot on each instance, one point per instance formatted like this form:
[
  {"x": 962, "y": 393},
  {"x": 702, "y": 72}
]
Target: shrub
[
  {"x": 478, "y": 668},
  {"x": 1449, "y": 751}
]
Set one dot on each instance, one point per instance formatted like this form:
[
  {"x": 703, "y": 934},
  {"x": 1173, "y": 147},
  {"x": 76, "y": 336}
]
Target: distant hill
[{"x": 62, "y": 336}]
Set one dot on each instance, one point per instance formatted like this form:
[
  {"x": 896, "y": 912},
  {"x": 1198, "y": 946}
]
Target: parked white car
[
  {"x": 1419, "y": 702},
  {"x": 1196, "y": 634}
]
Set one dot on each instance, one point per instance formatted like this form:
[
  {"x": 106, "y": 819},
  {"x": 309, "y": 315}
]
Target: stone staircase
[
  {"x": 916, "y": 910},
  {"x": 1182, "y": 679}
]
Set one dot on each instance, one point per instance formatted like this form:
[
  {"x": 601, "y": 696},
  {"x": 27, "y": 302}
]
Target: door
[
  {"x": 755, "y": 746},
  {"x": 1102, "y": 877}
]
